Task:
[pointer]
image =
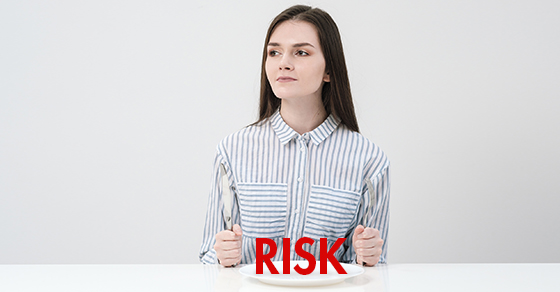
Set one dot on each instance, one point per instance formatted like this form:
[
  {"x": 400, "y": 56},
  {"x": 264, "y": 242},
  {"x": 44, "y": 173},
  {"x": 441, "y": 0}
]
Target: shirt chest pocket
[
  {"x": 263, "y": 209},
  {"x": 330, "y": 212}
]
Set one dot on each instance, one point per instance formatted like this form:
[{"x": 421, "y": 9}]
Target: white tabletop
[{"x": 198, "y": 277}]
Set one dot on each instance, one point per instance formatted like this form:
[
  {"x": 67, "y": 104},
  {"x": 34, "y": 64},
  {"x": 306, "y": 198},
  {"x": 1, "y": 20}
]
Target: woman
[{"x": 303, "y": 169}]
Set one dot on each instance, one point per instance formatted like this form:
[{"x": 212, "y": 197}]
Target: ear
[{"x": 326, "y": 77}]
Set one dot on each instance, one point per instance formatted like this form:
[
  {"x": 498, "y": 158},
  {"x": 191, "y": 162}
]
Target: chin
[
  {"x": 282, "y": 94},
  {"x": 285, "y": 96}
]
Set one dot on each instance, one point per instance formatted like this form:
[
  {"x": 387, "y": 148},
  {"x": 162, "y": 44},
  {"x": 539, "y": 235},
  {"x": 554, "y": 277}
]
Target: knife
[{"x": 226, "y": 197}]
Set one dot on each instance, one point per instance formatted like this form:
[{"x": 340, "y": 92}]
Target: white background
[{"x": 110, "y": 112}]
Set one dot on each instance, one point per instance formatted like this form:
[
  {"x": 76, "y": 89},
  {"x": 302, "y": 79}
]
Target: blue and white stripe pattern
[{"x": 291, "y": 185}]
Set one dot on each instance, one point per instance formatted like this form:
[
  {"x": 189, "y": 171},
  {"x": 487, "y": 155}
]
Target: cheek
[
  {"x": 317, "y": 73},
  {"x": 271, "y": 64},
  {"x": 315, "y": 78},
  {"x": 268, "y": 68}
]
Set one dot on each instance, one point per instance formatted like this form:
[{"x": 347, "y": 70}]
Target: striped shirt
[{"x": 288, "y": 185}]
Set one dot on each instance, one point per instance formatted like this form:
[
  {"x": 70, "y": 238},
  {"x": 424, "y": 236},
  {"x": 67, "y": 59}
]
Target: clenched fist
[
  {"x": 367, "y": 244},
  {"x": 228, "y": 246}
]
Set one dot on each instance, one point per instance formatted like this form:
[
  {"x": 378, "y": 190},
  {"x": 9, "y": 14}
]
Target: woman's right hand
[{"x": 228, "y": 246}]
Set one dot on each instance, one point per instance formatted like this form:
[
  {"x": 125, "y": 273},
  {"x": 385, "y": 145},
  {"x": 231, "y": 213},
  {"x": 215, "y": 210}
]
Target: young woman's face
[{"x": 295, "y": 65}]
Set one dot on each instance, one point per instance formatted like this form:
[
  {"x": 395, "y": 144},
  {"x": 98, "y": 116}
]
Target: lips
[{"x": 285, "y": 79}]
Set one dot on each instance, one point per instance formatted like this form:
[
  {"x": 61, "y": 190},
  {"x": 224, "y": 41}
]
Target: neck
[{"x": 303, "y": 116}]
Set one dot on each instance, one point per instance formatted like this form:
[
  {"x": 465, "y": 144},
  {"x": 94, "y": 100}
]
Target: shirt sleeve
[
  {"x": 378, "y": 217},
  {"x": 214, "y": 212}
]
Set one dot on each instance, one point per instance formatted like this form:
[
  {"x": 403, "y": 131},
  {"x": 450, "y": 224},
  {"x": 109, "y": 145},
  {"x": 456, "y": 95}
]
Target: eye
[
  {"x": 273, "y": 53},
  {"x": 302, "y": 53}
]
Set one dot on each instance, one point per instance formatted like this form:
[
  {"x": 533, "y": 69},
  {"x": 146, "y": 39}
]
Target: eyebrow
[{"x": 298, "y": 45}]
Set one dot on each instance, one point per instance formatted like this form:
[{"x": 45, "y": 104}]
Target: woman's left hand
[{"x": 367, "y": 244}]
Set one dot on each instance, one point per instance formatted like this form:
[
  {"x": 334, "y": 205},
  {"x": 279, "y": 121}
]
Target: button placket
[
  {"x": 301, "y": 177},
  {"x": 302, "y": 183}
]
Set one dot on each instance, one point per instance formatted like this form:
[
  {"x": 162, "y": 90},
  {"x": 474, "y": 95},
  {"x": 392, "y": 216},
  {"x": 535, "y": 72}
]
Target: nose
[{"x": 285, "y": 63}]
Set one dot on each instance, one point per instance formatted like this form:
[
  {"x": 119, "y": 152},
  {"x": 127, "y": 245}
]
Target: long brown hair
[{"x": 336, "y": 95}]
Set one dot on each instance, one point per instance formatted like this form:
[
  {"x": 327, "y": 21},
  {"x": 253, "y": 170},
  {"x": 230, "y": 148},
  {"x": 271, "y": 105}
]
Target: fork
[{"x": 370, "y": 208}]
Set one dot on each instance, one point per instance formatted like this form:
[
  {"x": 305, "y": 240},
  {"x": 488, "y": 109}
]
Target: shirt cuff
[{"x": 209, "y": 257}]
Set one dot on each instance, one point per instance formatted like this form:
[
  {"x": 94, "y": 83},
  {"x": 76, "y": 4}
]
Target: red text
[{"x": 327, "y": 255}]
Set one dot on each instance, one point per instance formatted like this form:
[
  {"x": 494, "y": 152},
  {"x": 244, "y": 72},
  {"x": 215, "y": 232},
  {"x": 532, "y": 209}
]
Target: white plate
[{"x": 295, "y": 279}]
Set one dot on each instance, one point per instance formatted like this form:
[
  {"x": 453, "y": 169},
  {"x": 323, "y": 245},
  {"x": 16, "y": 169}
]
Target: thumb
[
  {"x": 237, "y": 230},
  {"x": 359, "y": 229}
]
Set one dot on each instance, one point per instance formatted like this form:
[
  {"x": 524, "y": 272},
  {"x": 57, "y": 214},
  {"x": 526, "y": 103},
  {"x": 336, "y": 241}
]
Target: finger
[
  {"x": 369, "y": 243},
  {"x": 370, "y": 260},
  {"x": 229, "y": 245},
  {"x": 369, "y": 252},
  {"x": 357, "y": 231},
  {"x": 233, "y": 254},
  {"x": 359, "y": 259},
  {"x": 367, "y": 260},
  {"x": 235, "y": 260},
  {"x": 368, "y": 233},
  {"x": 364, "y": 243},
  {"x": 226, "y": 235},
  {"x": 237, "y": 230},
  {"x": 229, "y": 262},
  {"x": 228, "y": 258}
]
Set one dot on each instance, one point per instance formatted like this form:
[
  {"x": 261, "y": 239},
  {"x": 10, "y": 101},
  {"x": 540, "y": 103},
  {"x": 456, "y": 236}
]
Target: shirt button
[
  {"x": 302, "y": 149},
  {"x": 296, "y": 211},
  {"x": 300, "y": 179}
]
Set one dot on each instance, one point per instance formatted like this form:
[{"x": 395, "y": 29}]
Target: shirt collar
[{"x": 318, "y": 135}]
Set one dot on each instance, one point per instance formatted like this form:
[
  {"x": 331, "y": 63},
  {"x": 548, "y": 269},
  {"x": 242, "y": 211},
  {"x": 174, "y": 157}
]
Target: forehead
[{"x": 293, "y": 32}]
